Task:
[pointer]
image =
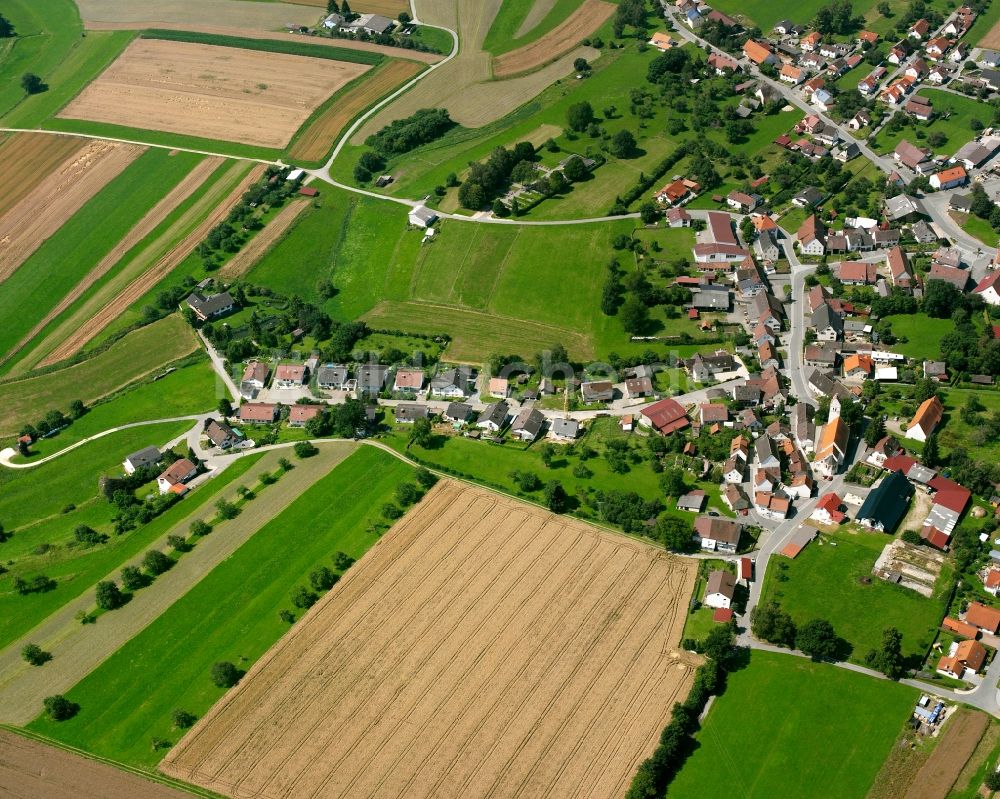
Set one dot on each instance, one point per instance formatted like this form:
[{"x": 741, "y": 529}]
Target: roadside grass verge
[
  {"x": 139, "y": 353},
  {"x": 232, "y": 614},
  {"x": 77, "y": 569},
  {"x": 817, "y": 730}
]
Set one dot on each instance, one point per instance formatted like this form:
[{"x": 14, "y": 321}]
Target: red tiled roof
[
  {"x": 723, "y": 615},
  {"x": 960, "y": 627},
  {"x": 666, "y": 416},
  {"x": 303, "y": 413},
  {"x": 982, "y": 616},
  {"x": 899, "y": 463},
  {"x": 746, "y": 568}
]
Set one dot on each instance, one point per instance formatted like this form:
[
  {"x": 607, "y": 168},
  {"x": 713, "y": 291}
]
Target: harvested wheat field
[
  {"x": 55, "y": 199},
  {"x": 30, "y": 768},
  {"x": 991, "y": 40},
  {"x": 27, "y": 158},
  {"x": 565, "y": 36},
  {"x": 246, "y": 258},
  {"x": 484, "y": 647},
  {"x": 157, "y": 261},
  {"x": 318, "y": 139},
  {"x": 958, "y": 741},
  {"x": 247, "y": 96}
]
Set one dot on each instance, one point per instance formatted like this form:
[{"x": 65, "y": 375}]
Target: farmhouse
[
  {"x": 372, "y": 24},
  {"x": 716, "y": 534},
  {"x": 949, "y": 178},
  {"x": 148, "y": 456},
  {"x": 989, "y": 288},
  {"x": 926, "y": 419},
  {"x": 205, "y": 308},
  {"x": 665, "y": 416},
  {"x": 597, "y": 391},
  {"x": 984, "y": 617},
  {"x": 885, "y": 506},
  {"x": 693, "y": 501},
  {"x": 175, "y": 476},
  {"x": 720, "y": 589}
]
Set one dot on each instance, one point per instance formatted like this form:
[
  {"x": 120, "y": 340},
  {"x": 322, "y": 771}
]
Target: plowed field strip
[
  {"x": 43, "y": 211},
  {"x": 146, "y": 225},
  {"x": 482, "y": 648},
  {"x": 245, "y": 259},
  {"x": 958, "y": 742},
  {"x": 561, "y": 39},
  {"x": 93, "y": 325},
  {"x": 28, "y": 158},
  {"x": 318, "y": 139}
]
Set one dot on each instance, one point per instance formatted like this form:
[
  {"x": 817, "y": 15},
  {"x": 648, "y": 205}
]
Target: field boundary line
[{"x": 151, "y": 776}]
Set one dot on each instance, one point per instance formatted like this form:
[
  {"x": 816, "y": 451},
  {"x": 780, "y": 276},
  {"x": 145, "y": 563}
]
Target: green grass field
[
  {"x": 191, "y": 389},
  {"x": 792, "y": 728},
  {"x": 76, "y": 570},
  {"x": 46, "y": 35},
  {"x": 983, "y": 24},
  {"x": 502, "y": 36},
  {"x": 486, "y": 285},
  {"x": 135, "y": 355},
  {"x": 923, "y": 335},
  {"x": 824, "y": 582},
  {"x": 62, "y": 261},
  {"x": 303, "y": 47},
  {"x": 952, "y": 117},
  {"x": 980, "y": 229},
  {"x": 232, "y": 614}
]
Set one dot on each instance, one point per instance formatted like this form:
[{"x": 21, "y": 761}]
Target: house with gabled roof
[
  {"x": 528, "y": 424},
  {"x": 716, "y": 534},
  {"x": 720, "y": 589},
  {"x": 811, "y": 236},
  {"x": 666, "y": 416},
  {"x": 832, "y": 447},
  {"x": 886, "y": 504},
  {"x": 174, "y": 477},
  {"x": 758, "y": 53}
]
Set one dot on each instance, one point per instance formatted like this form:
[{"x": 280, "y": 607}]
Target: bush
[
  {"x": 226, "y": 509},
  {"x": 35, "y": 655},
  {"x": 425, "y": 478},
  {"x": 179, "y": 543},
  {"x": 225, "y": 674},
  {"x": 200, "y": 528},
  {"x": 342, "y": 561},
  {"x": 391, "y": 511},
  {"x": 59, "y": 708}
]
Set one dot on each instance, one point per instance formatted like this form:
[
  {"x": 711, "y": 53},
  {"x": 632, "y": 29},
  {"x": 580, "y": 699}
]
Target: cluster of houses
[
  {"x": 367, "y": 24},
  {"x": 173, "y": 479}
]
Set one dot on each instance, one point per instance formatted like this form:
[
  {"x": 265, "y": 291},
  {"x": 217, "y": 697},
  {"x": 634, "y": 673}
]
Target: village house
[
  {"x": 810, "y": 236},
  {"x": 832, "y": 447},
  {"x": 211, "y": 306},
  {"x": 564, "y": 429},
  {"x": 949, "y": 178},
  {"x": 828, "y": 510},
  {"x": 451, "y": 383},
  {"x": 666, "y": 416},
  {"x": 720, "y": 589},
  {"x": 925, "y": 420},
  {"x": 758, "y": 53},
  {"x": 332, "y": 377},
  {"x": 172, "y": 480},
  {"x": 770, "y": 505},
  {"x": 827, "y": 324},
  {"x": 221, "y": 434},
  {"x": 371, "y": 378},
  {"x": 258, "y": 413},
  {"x": 984, "y": 617},
  {"x": 528, "y": 424},
  {"x": 716, "y": 534},
  {"x": 254, "y": 379},
  {"x": 964, "y": 657},
  {"x": 300, "y": 414},
  {"x": 597, "y": 391},
  {"x": 494, "y": 417},
  {"x": 408, "y": 380},
  {"x": 145, "y": 457},
  {"x": 989, "y": 288},
  {"x": 288, "y": 375}
]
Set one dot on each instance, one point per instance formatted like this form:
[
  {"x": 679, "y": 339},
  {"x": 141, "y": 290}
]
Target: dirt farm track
[{"x": 484, "y": 647}]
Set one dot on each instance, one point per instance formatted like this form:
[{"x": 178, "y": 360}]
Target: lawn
[
  {"x": 37, "y": 286},
  {"x": 135, "y": 355},
  {"x": 984, "y": 24},
  {"x": 978, "y": 228},
  {"x": 957, "y": 433},
  {"x": 825, "y": 582},
  {"x": 47, "y": 34},
  {"x": 923, "y": 335},
  {"x": 191, "y": 389},
  {"x": 952, "y": 117},
  {"x": 232, "y": 614},
  {"x": 75, "y": 570},
  {"x": 816, "y": 731},
  {"x": 488, "y": 286}
]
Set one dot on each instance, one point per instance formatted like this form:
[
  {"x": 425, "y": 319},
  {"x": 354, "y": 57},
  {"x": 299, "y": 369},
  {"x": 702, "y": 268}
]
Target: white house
[
  {"x": 174, "y": 478},
  {"x": 987, "y": 288},
  {"x": 148, "y": 456},
  {"x": 720, "y": 589},
  {"x": 422, "y": 217}
]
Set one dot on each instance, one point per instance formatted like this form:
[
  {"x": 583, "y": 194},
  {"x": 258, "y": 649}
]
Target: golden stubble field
[
  {"x": 484, "y": 647},
  {"x": 213, "y": 92}
]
